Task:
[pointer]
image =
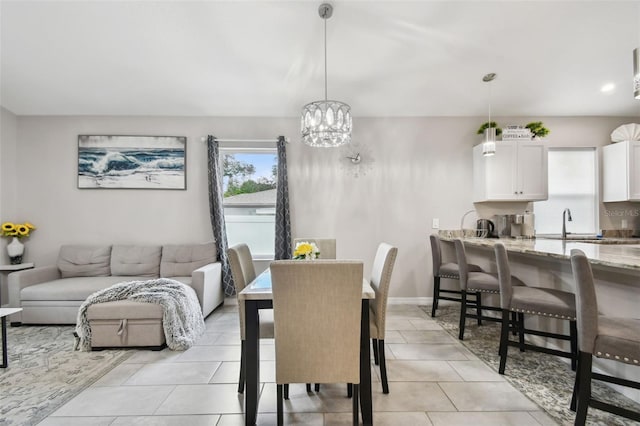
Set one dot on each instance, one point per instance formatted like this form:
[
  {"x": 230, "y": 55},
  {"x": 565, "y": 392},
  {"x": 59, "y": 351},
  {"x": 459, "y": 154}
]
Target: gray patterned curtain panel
[
  {"x": 216, "y": 210},
  {"x": 283, "y": 220}
]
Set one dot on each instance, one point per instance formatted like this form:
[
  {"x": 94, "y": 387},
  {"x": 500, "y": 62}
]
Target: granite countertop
[{"x": 621, "y": 254}]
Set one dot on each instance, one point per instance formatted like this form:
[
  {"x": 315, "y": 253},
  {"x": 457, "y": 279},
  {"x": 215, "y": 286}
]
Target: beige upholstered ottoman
[{"x": 126, "y": 324}]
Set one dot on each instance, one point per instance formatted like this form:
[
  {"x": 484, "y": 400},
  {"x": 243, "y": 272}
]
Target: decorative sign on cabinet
[
  {"x": 517, "y": 172},
  {"x": 621, "y": 171}
]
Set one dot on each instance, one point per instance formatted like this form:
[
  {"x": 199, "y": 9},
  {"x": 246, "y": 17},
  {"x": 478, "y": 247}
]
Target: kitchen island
[{"x": 546, "y": 263}]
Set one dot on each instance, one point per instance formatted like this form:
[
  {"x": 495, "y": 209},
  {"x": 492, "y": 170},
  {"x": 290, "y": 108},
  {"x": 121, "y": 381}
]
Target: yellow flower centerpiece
[
  {"x": 16, "y": 231},
  {"x": 306, "y": 251}
]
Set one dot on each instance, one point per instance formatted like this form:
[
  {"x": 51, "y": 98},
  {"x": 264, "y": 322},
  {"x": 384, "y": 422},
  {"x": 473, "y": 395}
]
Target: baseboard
[{"x": 409, "y": 300}]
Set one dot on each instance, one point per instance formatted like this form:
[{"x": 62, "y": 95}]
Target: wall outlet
[
  {"x": 435, "y": 223},
  {"x": 624, "y": 223}
]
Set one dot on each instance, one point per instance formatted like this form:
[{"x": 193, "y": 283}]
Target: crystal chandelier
[
  {"x": 489, "y": 144},
  {"x": 326, "y": 123}
]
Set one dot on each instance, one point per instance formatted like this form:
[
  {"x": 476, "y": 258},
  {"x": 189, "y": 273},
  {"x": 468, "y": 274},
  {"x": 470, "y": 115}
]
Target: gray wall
[
  {"x": 413, "y": 169},
  {"x": 8, "y": 175}
]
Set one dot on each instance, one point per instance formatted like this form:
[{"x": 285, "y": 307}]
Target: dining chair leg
[
  {"x": 436, "y": 295},
  {"x": 573, "y": 333},
  {"x": 514, "y": 323},
  {"x": 349, "y": 390},
  {"x": 479, "y": 307},
  {"x": 356, "y": 404},
  {"x": 280, "y": 408},
  {"x": 383, "y": 367},
  {"x": 521, "y": 331},
  {"x": 286, "y": 390},
  {"x": 584, "y": 389},
  {"x": 504, "y": 341},
  {"x": 376, "y": 358},
  {"x": 242, "y": 368},
  {"x": 463, "y": 313}
]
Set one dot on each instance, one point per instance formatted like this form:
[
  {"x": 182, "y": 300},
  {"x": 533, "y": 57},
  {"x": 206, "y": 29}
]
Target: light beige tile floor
[{"x": 433, "y": 380}]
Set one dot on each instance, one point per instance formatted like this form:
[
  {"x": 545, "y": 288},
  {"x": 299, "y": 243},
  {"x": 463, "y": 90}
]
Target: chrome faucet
[{"x": 564, "y": 223}]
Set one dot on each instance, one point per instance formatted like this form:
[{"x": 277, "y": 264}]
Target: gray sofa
[{"x": 53, "y": 294}]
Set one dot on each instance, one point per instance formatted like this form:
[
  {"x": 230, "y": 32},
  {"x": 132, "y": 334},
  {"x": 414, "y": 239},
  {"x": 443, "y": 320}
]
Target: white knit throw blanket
[{"x": 182, "y": 318}]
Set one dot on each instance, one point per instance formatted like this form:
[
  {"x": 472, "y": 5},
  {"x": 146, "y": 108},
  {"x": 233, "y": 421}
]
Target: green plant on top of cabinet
[
  {"x": 621, "y": 171},
  {"x": 517, "y": 172}
]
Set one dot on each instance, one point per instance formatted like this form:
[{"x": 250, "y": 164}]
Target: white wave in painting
[{"x": 131, "y": 168}]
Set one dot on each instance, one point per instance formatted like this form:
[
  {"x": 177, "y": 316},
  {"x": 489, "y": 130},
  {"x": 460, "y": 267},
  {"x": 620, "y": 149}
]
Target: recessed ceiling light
[{"x": 608, "y": 87}]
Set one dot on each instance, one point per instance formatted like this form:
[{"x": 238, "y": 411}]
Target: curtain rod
[{"x": 204, "y": 139}]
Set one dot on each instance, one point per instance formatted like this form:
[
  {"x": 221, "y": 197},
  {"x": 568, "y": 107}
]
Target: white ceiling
[{"x": 265, "y": 58}]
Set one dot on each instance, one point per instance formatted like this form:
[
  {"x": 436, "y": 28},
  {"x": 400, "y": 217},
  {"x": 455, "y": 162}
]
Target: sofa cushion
[
  {"x": 84, "y": 261},
  {"x": 140, "y": 261},
  {"x": 76, "y": 288},
  {"x": 182, "y": 260}
]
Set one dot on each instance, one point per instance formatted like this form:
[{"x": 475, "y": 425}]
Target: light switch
[{"x": 435, "y": 223}]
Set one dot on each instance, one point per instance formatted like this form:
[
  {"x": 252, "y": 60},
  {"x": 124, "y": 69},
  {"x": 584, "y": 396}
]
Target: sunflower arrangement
[
  {"x": 306, "y": 251},
  {"x": 18, "y": 230}
]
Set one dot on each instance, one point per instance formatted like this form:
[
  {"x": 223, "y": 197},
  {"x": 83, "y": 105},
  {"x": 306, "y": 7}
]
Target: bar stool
[
  {"x": 616, "y": 339},
  {"x": 540, "y": 301},
  {"x": 476, "y": 283},
  {"x": 444, "y": 270}
]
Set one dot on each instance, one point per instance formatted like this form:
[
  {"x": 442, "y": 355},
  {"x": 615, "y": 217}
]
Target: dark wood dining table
[{"x": 258, "y": 295}]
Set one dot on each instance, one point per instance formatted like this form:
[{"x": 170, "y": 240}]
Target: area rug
[
  {"x": 45, "y": 372},
  {"x": 544, "y": 379}
]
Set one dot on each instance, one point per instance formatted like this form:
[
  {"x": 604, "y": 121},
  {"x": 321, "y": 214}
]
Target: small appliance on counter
[
  {"x": 515, "y": 225},
  {"x": 485, "y": 228}
]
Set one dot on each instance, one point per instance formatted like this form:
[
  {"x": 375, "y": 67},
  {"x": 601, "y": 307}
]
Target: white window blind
[{"x": 572, "y": 185}]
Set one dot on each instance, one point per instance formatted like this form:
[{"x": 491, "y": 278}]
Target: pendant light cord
[
  {"x": 490, "y": 104},
  {"x": 325, "y": 58}
]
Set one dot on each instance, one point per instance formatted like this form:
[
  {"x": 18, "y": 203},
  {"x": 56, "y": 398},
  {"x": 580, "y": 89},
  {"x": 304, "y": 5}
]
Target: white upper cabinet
[
  {"x": 517, "y": 172},
  {"x": 621, "y": 171}
]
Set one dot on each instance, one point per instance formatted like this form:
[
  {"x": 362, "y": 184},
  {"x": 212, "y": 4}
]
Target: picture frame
[{"x": 132, "y": 162}]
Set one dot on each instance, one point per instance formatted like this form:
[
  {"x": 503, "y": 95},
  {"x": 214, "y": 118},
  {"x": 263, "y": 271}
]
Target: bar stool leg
[
  {"x": 436, "y": 295},
  {"x": 521, "y": 331},
  {"x": 463, "y": 313},
  {"x": 573, "y": 332},
  {"x": 584, "y": 391},
  {"x": 479, "y": 307},
  {"x": 504, "y": 341},
  {"x": 376, "y": 356}
]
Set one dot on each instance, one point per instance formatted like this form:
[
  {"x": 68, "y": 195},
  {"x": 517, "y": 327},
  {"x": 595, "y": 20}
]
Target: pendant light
[
  {"x": 489, "y": 143},
  {"x": 326, "y": 123},
  {"x": 636, "y": 73}
]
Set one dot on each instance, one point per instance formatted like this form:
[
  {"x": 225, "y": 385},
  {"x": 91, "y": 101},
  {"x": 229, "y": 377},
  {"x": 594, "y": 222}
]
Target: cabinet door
[
  {"x": 634, "y": 171},
  {"x": 532, "y": 171},
  {"x": 501, "y": 172}
]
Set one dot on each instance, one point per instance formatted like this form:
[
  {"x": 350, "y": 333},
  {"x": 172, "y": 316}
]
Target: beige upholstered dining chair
[
  {"x": 317, "y": 308},
  {"x": 530, "y": 300},
  {"x": 243, "y": 272},
  {"x": 380, "y": 281},
  {"x": 327, "y": 246},
  {"x": 444, "y": 270},
  {"x": 607, "y": 337}
]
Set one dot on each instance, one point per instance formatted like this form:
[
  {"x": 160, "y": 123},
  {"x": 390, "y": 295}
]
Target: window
[
  {"x": 249, "y": 185},
  {"x": 572, "y": 185}
]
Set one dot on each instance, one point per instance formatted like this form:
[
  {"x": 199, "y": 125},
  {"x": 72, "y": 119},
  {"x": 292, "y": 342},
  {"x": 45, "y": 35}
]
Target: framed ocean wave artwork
[{"x": 132, "y": 162}]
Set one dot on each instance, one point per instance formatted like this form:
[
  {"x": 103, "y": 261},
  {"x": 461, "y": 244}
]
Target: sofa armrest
[
  {"x": 21, "y": 279},
  {"x": 207, "y": 282}
]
